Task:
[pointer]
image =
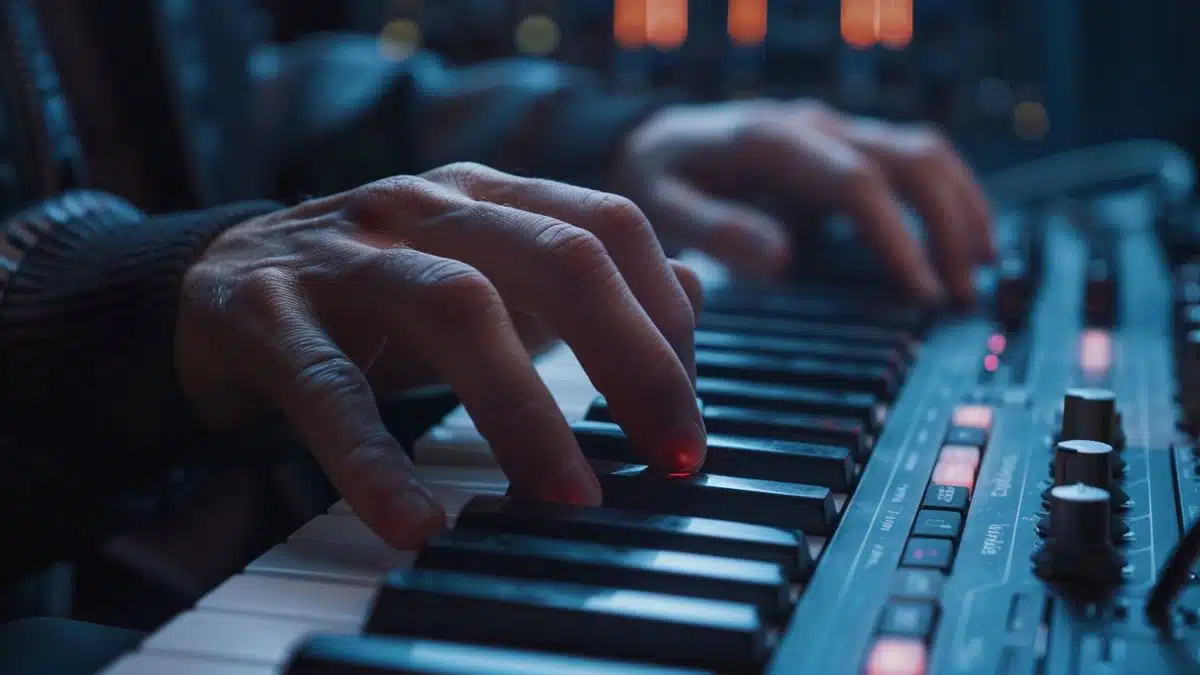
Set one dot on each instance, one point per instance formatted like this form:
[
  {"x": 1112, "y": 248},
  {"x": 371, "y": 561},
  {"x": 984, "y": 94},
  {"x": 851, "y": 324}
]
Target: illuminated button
[
  {"x": 938, "y": 524},
  {"x": 896, "y": 656},
  {"x": 966, "y": 436},
  {"x": 949, "y": 497},
  {"x": 953, "y": 474},
  {"x": 908, "y": 619},
  {"x": 973, "y": 416},
  {"x": 961, "y": 454},
  {"x": 917, "y": 584},
  {"x": 932, "y": 553},
  {"x": 1095, "y": 352}
]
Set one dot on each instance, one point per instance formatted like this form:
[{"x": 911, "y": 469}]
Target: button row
[{"x": 910, "y": 616}]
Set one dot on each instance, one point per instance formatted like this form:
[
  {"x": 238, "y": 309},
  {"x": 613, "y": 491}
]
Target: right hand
[{"x": 313, "y": 308}]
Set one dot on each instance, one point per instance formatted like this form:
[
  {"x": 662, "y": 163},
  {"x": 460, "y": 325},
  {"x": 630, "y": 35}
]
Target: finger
[
  {"x": 917, "y": 164},
  {"x": 330, "y": 404},
  {"x": 691, "y": 284},
  {"x": 751, "y": 243},
  {"x": 979, "y": 213},
  {"x": 450, "y": 314},
  {"x": 828, "y": 172},
  {"x": 627, "y": 236},
  {"x": 564, "y": 273}
]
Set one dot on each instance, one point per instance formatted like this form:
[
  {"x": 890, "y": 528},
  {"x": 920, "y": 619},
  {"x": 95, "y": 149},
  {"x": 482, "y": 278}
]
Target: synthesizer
[{"x": 887, "y": 492}]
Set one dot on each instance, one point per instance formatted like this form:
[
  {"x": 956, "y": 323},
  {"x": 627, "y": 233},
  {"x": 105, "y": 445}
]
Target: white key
[
  {"x": 239, "y": 637},
  {"x": 280, "y": 596},
  {"x": 346, "y": 531},
  {"x": 320, "y": 561},
  {"x": 171, "y": 664}
]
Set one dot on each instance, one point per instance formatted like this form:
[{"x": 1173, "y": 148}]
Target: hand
[
  {"x": 311, "y": 309},
  {"x": 694, "y": 170}
]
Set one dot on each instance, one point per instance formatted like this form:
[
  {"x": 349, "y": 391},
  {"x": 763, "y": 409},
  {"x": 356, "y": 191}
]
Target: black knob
[
  {"x": 1013, "y": 291},
  {"x": 1189, "y": 378},
  {"x": 1089, "y": 415},
  {"x": 1091, "y": 463},
  {"x": 1078, "y": 546}
]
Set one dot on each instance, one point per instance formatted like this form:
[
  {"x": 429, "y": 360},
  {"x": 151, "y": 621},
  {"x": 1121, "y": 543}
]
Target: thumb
[{"x": 751, "y": 243}]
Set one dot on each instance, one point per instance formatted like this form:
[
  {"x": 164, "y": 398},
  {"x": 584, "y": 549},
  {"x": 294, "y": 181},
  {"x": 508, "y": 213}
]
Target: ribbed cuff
[{"x": 87, "y": 323}]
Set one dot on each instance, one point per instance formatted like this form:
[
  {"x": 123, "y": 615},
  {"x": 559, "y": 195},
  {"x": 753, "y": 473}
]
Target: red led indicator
[
  {"x": 991, "y": 363},
  {"x": 996, "y": 344}
]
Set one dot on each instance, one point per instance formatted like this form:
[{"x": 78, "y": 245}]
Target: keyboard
[{"x": 887, "y": 492}]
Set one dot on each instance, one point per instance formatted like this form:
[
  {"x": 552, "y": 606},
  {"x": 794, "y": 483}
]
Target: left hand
[{"x": 694, "y": 170}]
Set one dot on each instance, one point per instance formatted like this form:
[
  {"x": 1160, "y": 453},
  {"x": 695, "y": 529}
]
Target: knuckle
[
  {"x": 456, "y": 291},
  {"x": 332, "y": 373},
  {"x": 616, "y": 217},
  {"x": 465, "y": 175},
  {"x": 571, "y": 248},
  {"x": 382, "y": 199},
  {"x": 859, "y": 176},
  {"x": 263, "y": 289},
  {"x": 929, "y": 143}
]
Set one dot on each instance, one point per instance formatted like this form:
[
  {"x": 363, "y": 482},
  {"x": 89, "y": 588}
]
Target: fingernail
[
  {"x": 683, "y": 449},
  {"x": 414, "y": 514}
]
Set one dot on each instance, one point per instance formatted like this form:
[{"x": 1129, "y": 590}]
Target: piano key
[
  {"x": 894, "y": 358},
  {"x": 514, "y": 556},
  {"x": 786, "y": 548},
  {"x": 238, "y": 637},
  {"x": 379, "y": 655},
  {"x": 831, "y": 304},
  {"x": 765, "y": 459},
  {"x": 140, "y": 663},
  {"x": 809, "y": 372},
  {"x": 609, "y": 623},
  {"x": 856, "y": 405},
  {"x": 285, "y": 597},
  {"x": 598, "y": 411},
  {"x": 839, "y": 432},
  {"x": 788, "y": 505},
  {"x": 885, "y": 337},
  {"x": 326, "y": 562},
  {"x": 347, "y": 532}
]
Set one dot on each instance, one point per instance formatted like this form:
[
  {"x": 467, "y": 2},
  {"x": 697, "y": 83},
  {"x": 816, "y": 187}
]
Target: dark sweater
[{"x": 89, "y": 402}]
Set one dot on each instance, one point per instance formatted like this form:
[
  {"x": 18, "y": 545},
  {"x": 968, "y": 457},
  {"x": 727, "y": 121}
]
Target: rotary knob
[
  {"x": 1088, "y": 462},
  {"x": 1089, "y": 414},
  {"x": 1078, "y": 546}
]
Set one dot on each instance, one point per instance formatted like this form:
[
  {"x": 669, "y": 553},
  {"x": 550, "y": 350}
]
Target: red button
[
  {"x": 953, "y": 473},
  {"x": 960, "y": 454},
  {"x": 896, "y": 656},
  {"x": 973, "y": 417}
]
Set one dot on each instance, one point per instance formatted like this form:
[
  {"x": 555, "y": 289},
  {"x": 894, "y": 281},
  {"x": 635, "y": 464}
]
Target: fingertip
[
  {"x": 411, "y": 517},
  {"x": 681, "y": 450}
]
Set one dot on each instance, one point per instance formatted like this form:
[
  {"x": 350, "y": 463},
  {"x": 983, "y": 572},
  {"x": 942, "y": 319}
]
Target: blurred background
[{"x": 1011, "y": 79}]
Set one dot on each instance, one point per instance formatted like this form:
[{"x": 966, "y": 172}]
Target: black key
[
  {"x": 861, "y": 406},
  {"x": 815, "y": 306},
  {"x": 886, "y": 337},
  {"x": 764, "y": 459},
  {"x": 598, "y": 411},
  {"x": 516, "y": 556},
  {"x": 809, "y": 372},
  {"x": 966, "y": 436},
  {"x": 938, "y": 523},
  {"x": 380, "y": 655},
  {"x": 917, "y": 584},
  {"x": 787, "y": 505},
  {"x": 736, "y": 457},
  {"x": 949, "y": 497},
  {"x": 618, "y": 624},
  {"x": 786, "y": 548},
  {"x": 936, "y": 554},
  {"x": 894, "y": 358},
  {"x": 908, "y": 619},
  {"x": 839, "y": 432}
]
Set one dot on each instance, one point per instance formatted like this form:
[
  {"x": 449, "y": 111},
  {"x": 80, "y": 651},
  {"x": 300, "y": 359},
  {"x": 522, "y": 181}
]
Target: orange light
[
  {"x": 747, "y": 22},
  {"x": 629, "y": 23},
  {"x": 666, "y": 23},
  {"x": 897, "y": 656},
  {"x": 895, "y": 22},
  {"x": 973, "y": 416},
  {"x": 860, "y": 23},
  {"x": 965, "y": 455},
  {"x": 955, "y": 474},
  {"x": 1095, "y": 352}
]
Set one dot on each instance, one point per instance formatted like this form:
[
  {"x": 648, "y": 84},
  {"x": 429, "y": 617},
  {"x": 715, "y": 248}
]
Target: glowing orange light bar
[
  {"x": 747, "y": 22},
  {"x": 666, "y": 23},
  {"x": 860, "y": 23},
  {"x": 629, "y": 23},
  {"x": 895, "y": 22}
]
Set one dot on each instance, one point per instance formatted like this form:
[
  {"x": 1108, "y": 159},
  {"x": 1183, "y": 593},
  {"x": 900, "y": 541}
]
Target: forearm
[
  {"x": 347, "y": 114},
  {"x": 88, "y": 395}
]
